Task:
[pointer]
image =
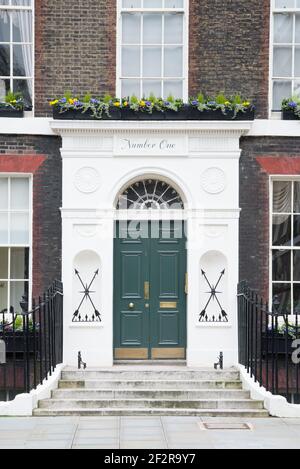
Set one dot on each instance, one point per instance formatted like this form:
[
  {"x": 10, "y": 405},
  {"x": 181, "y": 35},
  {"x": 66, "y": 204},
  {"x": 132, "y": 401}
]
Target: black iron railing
[
  {"x": 268, "y": 343},
  {"x": 33, "y": 343}
]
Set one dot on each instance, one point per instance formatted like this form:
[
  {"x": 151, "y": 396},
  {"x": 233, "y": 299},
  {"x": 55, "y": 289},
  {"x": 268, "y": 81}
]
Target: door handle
[
  {"x": 147, "y": 290},
  {"x": 131, "y": 305}
]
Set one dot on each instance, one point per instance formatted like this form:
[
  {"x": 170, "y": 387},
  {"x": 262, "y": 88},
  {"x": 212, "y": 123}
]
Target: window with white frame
[
  {"x": 152, "y": 48},
  {"x": 285, "y": 250},
  {"x": 15, "y": 223},
  {"x": 16, "y": 48},
  {"x": 286, "y": 51}
]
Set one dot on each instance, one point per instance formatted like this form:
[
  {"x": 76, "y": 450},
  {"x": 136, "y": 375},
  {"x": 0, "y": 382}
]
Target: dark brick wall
[
  {"x": 254, "y": 202},
  {"x": 75, "y": 48},
  {"x": 47, "y": 199},
  {"x": 229, "y": 48}
]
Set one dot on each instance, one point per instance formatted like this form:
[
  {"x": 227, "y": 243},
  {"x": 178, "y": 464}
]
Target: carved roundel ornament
[
  {"x": 87, "y": 180},
  {"x": 213, "y": 180}
]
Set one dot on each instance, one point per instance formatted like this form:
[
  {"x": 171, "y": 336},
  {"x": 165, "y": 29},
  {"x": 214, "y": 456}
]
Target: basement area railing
[
  {"x": 31, "y": 343},
  {"x": 269, "y": 343}
]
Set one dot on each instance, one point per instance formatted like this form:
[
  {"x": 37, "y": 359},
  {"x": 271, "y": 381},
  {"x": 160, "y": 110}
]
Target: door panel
[{"x": 151, "y": 326}]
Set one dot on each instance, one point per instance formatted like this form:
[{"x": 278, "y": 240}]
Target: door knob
[{"x": 131, "y": 305}]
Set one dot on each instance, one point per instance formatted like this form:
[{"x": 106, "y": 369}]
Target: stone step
[
  {"x": 188, "y": 394},
  {"x": 183, "y": 374},
  {"x": 152, "y": 403},
  {"x": 231, "y": 413},
  {"x": 146, "y": 384}
]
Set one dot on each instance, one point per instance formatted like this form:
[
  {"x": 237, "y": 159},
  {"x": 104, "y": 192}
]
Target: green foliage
[{"x": 87, "y": 98}]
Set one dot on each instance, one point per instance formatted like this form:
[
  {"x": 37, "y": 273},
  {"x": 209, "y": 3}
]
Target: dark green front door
[{"x": 149, "y": 290}]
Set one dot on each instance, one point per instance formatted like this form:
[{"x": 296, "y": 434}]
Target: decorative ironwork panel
[
  {"x": 95, "y": 316},
  {"x": 221, "y": 315}
]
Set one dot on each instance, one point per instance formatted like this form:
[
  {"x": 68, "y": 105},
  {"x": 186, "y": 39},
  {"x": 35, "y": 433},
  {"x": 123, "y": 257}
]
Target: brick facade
[
  {"x": 46, "y": 200},
  {"x": 75, "y": 49},
  {"x": 254, "y": 202},
  {"x": 229, "y": 48}
]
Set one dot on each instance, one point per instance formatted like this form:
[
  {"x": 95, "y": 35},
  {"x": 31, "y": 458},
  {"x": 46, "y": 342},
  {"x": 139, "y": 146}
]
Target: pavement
[{"x": 146, "y": 433}]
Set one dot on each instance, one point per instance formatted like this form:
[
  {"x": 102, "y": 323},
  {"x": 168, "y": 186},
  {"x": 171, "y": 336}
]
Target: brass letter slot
[
  {"x": 168, "y": 304},
  {"x": 146, "y": 290}
]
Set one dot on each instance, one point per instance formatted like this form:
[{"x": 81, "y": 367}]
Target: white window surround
[
  {"x": 288, "y": 251},
  {"x": 13, "y": 252},
  {"x": 19, "y": 6},
  {"x": 292, "y": 79},
  {"x": 140, "y": 46}
]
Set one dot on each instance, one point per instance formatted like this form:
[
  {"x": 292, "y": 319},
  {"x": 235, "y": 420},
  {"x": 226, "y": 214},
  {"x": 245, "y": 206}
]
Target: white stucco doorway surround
[{"x": 201, "y": 161}]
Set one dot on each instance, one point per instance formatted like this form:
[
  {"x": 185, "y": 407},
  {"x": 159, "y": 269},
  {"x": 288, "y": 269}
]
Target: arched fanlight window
[{"x": 150, "y": 194}]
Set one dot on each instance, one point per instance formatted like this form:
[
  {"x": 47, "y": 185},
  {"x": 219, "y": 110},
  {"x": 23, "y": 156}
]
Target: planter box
[
  {"x": 88, "y": 115},
  {"x": 11, "y": 113},
  {"x": 15, "y": 342},
  {"x": 194, "y": 114},
  {"x": 155, "y": 116},
  {"x": 289, "y": 116}
]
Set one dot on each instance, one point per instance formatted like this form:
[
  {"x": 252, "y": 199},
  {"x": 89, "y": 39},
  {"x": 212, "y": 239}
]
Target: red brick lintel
[
  {"x": 20, "y": 163},
  {"x": 285, "y": 165}
]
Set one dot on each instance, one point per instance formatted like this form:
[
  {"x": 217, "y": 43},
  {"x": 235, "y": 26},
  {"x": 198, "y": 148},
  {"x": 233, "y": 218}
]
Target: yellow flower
[
  {"x": 125, "y": 103},
  {"x": 227, "y": 103},
  {"x": 246, "y": 103},
  {"x": 52, "y": 103},
  {"x": 71, "y": 101},
  {"x": 117, "y": 104},
  {"x": 142, "y": 103}
]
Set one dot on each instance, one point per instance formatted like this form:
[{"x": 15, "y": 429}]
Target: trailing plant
[
  {"x": 12, "y": 101},
  {"x": 225, "y": 104}
]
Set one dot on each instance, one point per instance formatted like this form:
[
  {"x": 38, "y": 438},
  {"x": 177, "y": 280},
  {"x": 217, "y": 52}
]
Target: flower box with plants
[
  {"x": 15, "y": 337},
  {"x": 12, "y": 105},
  {"x": 290, "y": 108},
  {"x": 279, "y": 340},
  {"x": 152, "y": 108}
]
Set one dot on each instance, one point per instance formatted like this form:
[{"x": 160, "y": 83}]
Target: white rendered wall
[{"x": 202, "y": 162}]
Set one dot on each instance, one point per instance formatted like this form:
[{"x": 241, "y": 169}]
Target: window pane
[
  {"x": 296, "y": 262},
  {"x": 282, "y": 196},
  {"x": 4, "y": 2},
  {"x": 3, "y": 296},
  {"x": 297, "y": 62},
  {"x": 297, "y": 197},
  {"x": 22, "y": 26},
  {"x": 3, "y": 193},
  {"x": 296, "y": 230},
  {"x": 4, "y": 27},
  {"x": 284, "y": 3},
  {"x": 173, "y": 62},
  {"x": 297, "y": 298},
  {"x": 131, "y": 61},
  {"x": 4, "y": 263},
  {"x": 283, "y": 292},
  {"x": 281, "y": 265},
  {"x": 19, "y": 233},
  {"x": 21, "y": 65},
  {"x": 281, "y": 90},
  {"x": 283, "y": 28},
  {"x": 4, "y": 61},
  {"x": 22, "y": 2},
  {"x": 297, "y": 3},
  {"x": 173, "y": 88},
  {"x": 152, "y": 29},
  {"x": 297, "y": 32},
  {"x": 153, "y": 4},
  {"x": 152, "y": 61},
  {"x": 4, "y": 88},
  {"x": 281, "y": 230},
  {"x": 19, "y": 193},
  {"x": 19, "y": 261},
  {"x": 130, "y": 87},
  {"x": 173, "y": 3},
  {"x": 17, "y": 291},
  {"x": 3, "y": 228},
  {"x": 173, "y": 29},
  {"x": 151, "y": 86},
  {"x": 282, "y": 62},
  {"x": 24, "y": 87},
  {"x": 131, "y": 4},
  {"x": 131, "y": 28}
]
